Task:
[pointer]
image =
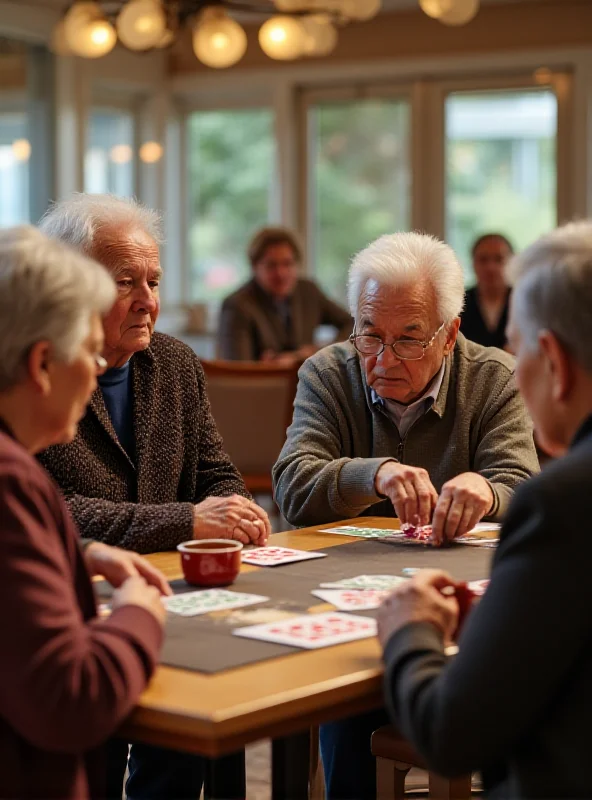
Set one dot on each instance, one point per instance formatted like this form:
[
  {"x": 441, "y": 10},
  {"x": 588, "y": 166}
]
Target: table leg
[{"x": 290, "y": 766}]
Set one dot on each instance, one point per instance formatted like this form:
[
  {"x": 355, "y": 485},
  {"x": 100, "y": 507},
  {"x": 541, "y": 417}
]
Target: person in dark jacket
[
  {"x": 274, "y": 316},
  {"x": 515, "y": 702},
  {"x": 68, "y": 678},
  {"x": 147, "y": 469},
  {"x": 485, "y": 315}
]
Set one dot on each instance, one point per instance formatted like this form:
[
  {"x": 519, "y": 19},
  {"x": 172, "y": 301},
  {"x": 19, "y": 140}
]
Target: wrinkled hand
[
  {"x": 463, "y": 501},
  {"x": 136, "y": 592},
  {"x": 116, "y": 565},
  {"x": 420, "y": 599},
  {"x": 409, "y": 489},
  {"x": 232, "y": 517}
]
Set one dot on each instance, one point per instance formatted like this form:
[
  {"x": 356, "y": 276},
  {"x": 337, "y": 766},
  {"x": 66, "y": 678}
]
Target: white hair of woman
[
  {"x": 48, "y": 291},
  {"x": 78, "y": 219},
  {"x": 402, "y": 259},
  {"x": 553, "y": 289}
]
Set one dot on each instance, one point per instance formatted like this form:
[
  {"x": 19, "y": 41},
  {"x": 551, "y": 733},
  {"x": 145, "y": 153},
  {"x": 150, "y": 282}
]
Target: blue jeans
[
  {"x": 350, "y": 767},
  {"x": 159, "y": 774}
]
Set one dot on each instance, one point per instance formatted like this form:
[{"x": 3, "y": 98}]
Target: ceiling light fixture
[{"x": 289, "y": 29}]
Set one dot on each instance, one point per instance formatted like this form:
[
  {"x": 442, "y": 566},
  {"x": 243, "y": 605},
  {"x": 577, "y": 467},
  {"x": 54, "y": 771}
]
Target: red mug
[
  {"x": 464, "y": 598},
  {"x": 210, "y": 562}
]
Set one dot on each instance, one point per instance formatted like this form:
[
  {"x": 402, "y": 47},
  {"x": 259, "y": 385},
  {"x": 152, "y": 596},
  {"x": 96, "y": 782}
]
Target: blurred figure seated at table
[
  {"x": 516, "y": 701},
  {"x": 485, "y": 315},
  {"x": 68, "y": 678},
  {"x": 408, "y": 418},
  {"x": 274, "y": 316},
  {"x": 147, "y": 469}
]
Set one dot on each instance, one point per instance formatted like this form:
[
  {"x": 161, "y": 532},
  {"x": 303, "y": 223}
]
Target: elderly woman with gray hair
[
  {"x": 147, "y": 469},
  {"x": 516, "y": 702},
  {"x": 67, "y": 678},
  {"x": 410, "y": 419}
]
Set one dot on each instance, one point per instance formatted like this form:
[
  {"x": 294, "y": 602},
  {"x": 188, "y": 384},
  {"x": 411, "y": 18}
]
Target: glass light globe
[
  {"x": 77, "y": 18},
  {"x": 95, "y": 39},
  {"x": 435, "y": 8},
  {"x": 282, "y": 38},
  {"x": 121, "y": 153},
  {"x": 360, "y": 10},
  {"x": 219, "y": 41},
  {"x": 21, "y": 149},
  {"x": 321, "y": 36},
  {"x": 460, "y": 12},
  {"x": 292, "y": 5},
  {"x": 141, "y": 24},
  {"x": 150, "y": 152}
]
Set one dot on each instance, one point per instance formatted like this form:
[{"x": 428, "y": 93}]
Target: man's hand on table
[
  {"x": 117, "y": 565},
  {"x": 409, "y": 489},
  {"x": 420, "y": 599},
  {"x": 463, "y": 501},
  {"x": 232, "y": 517}
]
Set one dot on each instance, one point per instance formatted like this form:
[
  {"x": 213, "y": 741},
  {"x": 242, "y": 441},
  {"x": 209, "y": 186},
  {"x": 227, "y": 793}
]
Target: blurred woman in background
[{"x": 485, "y": 314}]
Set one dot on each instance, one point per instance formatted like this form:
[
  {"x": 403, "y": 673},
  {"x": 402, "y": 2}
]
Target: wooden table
[
  {"x": 280, "y": 698},
  {"x": 217, "y": 714}
]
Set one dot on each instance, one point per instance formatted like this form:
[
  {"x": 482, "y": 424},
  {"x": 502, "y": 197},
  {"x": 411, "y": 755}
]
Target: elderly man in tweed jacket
[
  {"x": 147, "y": 469},
  {"x": 409, "y": 418}
]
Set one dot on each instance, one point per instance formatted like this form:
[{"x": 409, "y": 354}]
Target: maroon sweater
[{"x": 67, "y": 678}]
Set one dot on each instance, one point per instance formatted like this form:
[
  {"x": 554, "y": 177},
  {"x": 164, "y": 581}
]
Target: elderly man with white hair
[
  {"x": 516, "y": 702},
  {"x": 147, "y": 469},
  {"x": 408, "y": 418}
]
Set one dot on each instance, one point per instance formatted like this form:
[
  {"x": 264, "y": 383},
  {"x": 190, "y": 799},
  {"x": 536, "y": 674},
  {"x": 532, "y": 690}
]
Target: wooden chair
[
  {"x": 252, "y": 404},
  {"x": 395, "y": 757}
]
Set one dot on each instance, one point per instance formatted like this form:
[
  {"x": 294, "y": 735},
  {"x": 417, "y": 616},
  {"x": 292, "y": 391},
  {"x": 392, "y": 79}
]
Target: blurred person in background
[
  {"x": 274, "y": 316},
  {"x": 485, "y": 315},
  {"x": 68, "y": 678}
]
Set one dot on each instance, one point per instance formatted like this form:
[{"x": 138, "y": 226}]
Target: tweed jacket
[
  {"x": 340, "y": 437},
  {"x": 250, "y": 323},
  {"x": 147, "y": 504}
]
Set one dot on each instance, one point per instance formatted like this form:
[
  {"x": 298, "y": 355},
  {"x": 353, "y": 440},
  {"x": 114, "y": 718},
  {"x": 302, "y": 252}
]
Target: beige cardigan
[{"x": 339, "y": 438}]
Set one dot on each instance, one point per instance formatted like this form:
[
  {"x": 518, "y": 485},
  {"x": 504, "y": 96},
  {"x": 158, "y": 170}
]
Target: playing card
[
  {"x": 272, "y": 556},
  {"x": 362, "y": 533},
  {"x": 383, "y": 582},
  {"x": 312, "y": 631},
  {"x": 190, "y": 604},
  {"x": 479, "y": 587},
  {"x": 352, "y": 599}
]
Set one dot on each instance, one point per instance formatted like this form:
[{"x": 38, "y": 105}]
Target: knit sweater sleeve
[{"x": 313, "y": 481}]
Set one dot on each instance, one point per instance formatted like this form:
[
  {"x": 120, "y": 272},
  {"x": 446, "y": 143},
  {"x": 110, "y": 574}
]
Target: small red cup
[
  {"x": 210, "y": 562},
  {"x": 464, "y": 598}
]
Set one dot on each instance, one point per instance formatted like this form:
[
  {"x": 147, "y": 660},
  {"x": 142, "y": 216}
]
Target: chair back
[{"x": 252, "y": 405}]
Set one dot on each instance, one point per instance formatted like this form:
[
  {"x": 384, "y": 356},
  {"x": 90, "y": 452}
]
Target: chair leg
[
  {"x": 449, "y": 788},
  {"x": 390, "y": 779}
]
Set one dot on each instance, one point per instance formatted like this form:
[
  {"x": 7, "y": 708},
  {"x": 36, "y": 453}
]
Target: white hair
[
  {"x": 553, "y": 289},
  {"x": 47, "y": 292},
  {"x": 77, "y": 219},
  {"x": 403, "y": 259}
]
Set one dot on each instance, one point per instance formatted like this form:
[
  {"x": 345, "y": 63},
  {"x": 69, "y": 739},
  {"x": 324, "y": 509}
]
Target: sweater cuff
[
  {"x": 141, "y": 626},
  {"x": 356, "y": 481},
  {"x": 413, "y": 637}
]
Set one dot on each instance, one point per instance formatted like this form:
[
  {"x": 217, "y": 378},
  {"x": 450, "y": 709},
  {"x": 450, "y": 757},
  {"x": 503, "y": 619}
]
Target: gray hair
[
  {"x": 47, "y": 292},
  {"x": 553, "y": 289},
  {"x": 402, "y": 259},
  {"x": 77, "y": 219}
]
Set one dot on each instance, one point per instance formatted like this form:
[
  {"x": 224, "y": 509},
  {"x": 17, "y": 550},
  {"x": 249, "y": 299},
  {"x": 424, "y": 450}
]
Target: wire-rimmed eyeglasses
[{"x": 369, "y": 344}]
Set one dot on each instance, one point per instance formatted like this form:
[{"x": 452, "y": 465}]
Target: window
[
  {"x": 500, "y": 169},
  {"x": 109, "y": 160},
  {"x": 359, "y": 181},
  {"x": 232, "y": 192},
  {"x": 15, "y": 151}
]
